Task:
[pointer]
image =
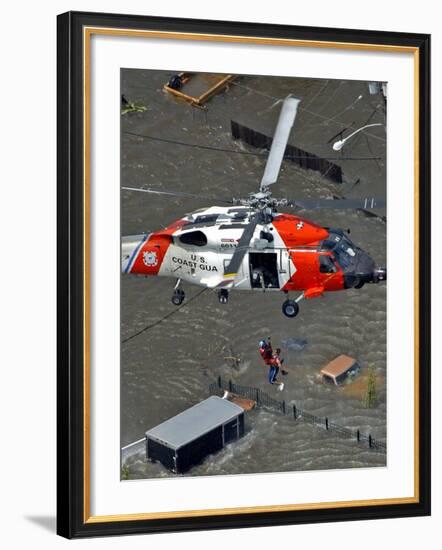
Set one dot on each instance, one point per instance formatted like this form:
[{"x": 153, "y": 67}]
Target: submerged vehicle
[{"x": 340, "y": 371}]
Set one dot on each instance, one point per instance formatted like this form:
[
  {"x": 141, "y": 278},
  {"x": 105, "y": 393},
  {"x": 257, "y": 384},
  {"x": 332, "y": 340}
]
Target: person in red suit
[{"x": 272, "y": 360}]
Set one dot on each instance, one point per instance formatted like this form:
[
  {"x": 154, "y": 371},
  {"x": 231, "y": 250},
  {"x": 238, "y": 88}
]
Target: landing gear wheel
[
  {"x": 290, "y": 308},
  {"x": 178, "y": 297},
  {"x": 223, "y": 296}
]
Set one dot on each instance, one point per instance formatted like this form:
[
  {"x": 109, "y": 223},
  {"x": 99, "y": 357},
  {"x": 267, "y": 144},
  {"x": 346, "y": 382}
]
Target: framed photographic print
[{"x": 243, "y": 274}]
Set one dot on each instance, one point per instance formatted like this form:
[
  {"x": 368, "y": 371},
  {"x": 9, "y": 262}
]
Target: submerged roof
[{"x": 194, "y": 422}]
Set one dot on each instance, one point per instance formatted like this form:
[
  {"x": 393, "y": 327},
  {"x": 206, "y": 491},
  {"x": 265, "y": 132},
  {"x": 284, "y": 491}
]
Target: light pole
[{"x": 338, "y": 145}]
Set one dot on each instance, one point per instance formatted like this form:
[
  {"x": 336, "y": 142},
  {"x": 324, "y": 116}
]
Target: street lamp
[{"x": 338, "y": 145}]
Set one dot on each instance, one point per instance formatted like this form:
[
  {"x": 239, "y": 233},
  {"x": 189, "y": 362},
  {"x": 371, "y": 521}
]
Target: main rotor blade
[
  {"x": 367, "y": 203},
  {"x": 177, "y": 194},
  {"x": 280, "y": 139},
  {"x": 243, "y": 245}
]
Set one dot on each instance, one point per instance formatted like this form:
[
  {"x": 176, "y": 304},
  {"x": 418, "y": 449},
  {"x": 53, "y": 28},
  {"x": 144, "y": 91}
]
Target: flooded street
[{"x": 169, "y": 366}]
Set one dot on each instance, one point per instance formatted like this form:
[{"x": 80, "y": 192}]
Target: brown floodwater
[{"x": 169, "y": 367}]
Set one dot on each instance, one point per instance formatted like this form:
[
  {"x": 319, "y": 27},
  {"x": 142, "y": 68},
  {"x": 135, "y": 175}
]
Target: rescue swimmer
[{"x": 274, "y": 361}]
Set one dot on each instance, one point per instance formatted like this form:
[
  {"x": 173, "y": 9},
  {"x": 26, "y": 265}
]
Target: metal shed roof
[{"x": 194, "y": 422}]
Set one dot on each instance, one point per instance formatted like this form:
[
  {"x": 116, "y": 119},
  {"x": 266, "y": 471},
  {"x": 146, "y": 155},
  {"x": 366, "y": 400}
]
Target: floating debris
[
  {"x": 243, "y": 402},
  {"x": 128, "y": 106},
  {"x": 197, "y": 88},
  {"x": 294, "y": 344}
]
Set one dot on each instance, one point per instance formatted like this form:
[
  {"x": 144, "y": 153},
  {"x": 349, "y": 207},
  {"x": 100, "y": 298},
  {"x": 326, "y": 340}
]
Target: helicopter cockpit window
[
  {"x": 194, "y": 238},
  {"x": 334, "y": 238},
  {"x": 345, "y": 252},
  {"x": 342, "y": 247},
  {"x": 326, "y": 264}
]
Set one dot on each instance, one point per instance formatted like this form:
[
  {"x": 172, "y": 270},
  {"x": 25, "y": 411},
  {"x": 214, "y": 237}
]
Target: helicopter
[{"x": 249, "y": 245}]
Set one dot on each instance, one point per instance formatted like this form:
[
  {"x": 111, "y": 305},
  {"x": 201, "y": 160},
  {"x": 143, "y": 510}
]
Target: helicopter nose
[
  {"x": 362, "y": 270},
  {"x": 358, "y": 278}
]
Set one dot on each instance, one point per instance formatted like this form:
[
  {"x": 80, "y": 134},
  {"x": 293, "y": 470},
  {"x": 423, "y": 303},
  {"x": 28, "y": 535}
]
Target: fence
[
  {"x": 298, "y": 156},
  {"x": 264, "y": 400}
]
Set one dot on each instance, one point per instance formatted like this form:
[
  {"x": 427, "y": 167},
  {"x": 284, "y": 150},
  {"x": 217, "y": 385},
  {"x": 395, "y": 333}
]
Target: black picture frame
[{"x": 72, "y": 517}]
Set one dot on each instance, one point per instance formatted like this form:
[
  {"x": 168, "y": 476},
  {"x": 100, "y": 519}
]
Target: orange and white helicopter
[{"x": 249, "y": 245}]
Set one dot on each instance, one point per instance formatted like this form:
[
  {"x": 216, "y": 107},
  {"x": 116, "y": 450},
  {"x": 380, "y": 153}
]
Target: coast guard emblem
[{"x": 150, "y": 258}]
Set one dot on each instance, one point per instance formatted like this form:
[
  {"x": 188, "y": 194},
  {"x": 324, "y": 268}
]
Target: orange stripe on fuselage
[
  {"x": 295, "y": 231},
  {"x": 308, "y": 276},
  {"x": 305, "y": 235}
]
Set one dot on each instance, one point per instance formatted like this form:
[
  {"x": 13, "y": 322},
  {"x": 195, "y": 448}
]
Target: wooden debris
[
  {"x": 128, "y": 106},
  {"x": 197, "y": 88},
  {"x": 246, "y": 404}
]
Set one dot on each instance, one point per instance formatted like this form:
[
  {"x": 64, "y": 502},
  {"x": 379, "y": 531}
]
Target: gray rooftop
[{"x": 191, "y": 423}]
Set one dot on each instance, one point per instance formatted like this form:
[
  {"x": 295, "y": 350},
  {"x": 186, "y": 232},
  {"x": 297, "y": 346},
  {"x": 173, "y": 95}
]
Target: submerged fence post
[
  {"x": 358, "y": 435},
  {"x": 230, "y": 386},
  {"x": 370, "y": 441},
  {"x": 295, "y": 412},
  {"x": 219, "y": 382},
  {"x": 326, "y": 423},
  {"x": 257, "y": 396},
  {"x": 283, "y": 407}
]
